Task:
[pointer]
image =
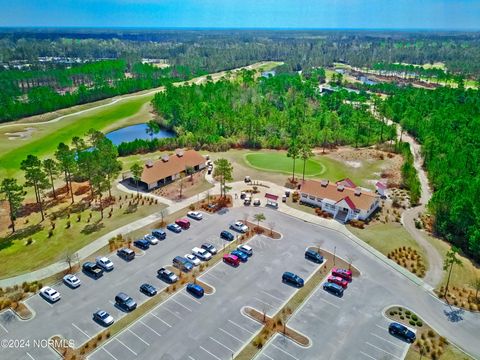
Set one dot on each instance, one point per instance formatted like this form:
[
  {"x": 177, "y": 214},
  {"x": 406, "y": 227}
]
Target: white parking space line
[
  {"x": 190, "y": 297},
  {"x": 380, "y": 327},
  {"x": 241, "y": 327},
  {"x": 219, "y": 343},
  {"x": 264, "y": 302},
  {"x": 30, "y": 356},
  {"x": 268, "y": 357},
  {"x": 214, "y": 276},
  {"x": 174, "y": 314},
  {"x": 191, "y": 357},
  {"x": 148, "y": 327},
  {"x": 4, "y": 328},
  {"x": 208, "y": 352},
  {"x": 364, "y": 354},
  {"x": 133, "y": 352},
  {"x": 272, "y": 296},
  {"x": 233, "y": 336},
  {"x": 163, "y": 321},
  {"x": 330, "y": 303},
  {"x": 385, "y": 351},
  {"x": 381, "y": 338},
  {"x": 111, "y": 302},
  {"x": 83, "y": 332},
  {"x": 109, "y": 353},
  {"x": 179, "y": 303},
  {"x": 285, "y": 352},
  {"x": 138, "y": 337}
]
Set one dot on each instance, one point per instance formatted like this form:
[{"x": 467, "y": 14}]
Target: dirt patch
[
  {"x": 260, "y": 230},
  {"x": 4, "y": 217}
]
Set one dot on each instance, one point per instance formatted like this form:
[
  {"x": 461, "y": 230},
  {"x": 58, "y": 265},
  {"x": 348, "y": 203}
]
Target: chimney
[
  {"x": 149, "y": 163},
  {"x": 358, "y": 191},
  {"x": 165, "y": 158},
  {"x": 324, "y": 183},
  {"x": 340, "y": 187},
  {"x": 179, "y": 153}
]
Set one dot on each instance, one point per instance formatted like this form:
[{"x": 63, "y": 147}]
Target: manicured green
[{"x": 279, "y": 162}]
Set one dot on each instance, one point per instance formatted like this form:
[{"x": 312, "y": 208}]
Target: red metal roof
[
  {"x": 271, "y": 196},
  {"x": 349, "y": 202}
]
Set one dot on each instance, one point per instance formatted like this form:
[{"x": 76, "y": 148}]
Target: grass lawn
[
  {"x": 279, "y": 162},
  {"x": 18, "y": 257},
  {"x": 387, "y": 237}
]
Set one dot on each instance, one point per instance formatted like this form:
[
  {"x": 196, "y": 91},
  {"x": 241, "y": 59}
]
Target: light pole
[{"x": 334, "y": 252}]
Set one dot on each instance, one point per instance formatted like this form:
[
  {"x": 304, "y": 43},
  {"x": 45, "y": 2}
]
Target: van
[
  {"x": 182, "y": 263},
  {"x": 160, "y": 234},
  {"x": 126, "y": 254},
  {"x": 183, "y": 223}
]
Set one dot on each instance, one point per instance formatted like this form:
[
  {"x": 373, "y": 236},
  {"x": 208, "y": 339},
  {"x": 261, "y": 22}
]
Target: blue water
[{"x": 133, "y": 132}]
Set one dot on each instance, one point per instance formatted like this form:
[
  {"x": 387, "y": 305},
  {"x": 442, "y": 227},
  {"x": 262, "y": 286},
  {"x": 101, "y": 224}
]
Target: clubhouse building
[
  {"x": 343, "y": 199},
  {"x": 169, "y": 168}
]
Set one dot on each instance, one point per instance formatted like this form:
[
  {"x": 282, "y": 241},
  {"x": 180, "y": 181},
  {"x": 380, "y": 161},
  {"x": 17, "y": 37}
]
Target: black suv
[
  {"x": 401, "y": 332},
  {"x": 126, "y": 254},
  {"x": 92, "y": 270},
  {"x": 313, "y": 256},
  {"x": 142, "y": 244},
  {"x": 125, "y": 302},
  {"x": 293, "y": 279}
]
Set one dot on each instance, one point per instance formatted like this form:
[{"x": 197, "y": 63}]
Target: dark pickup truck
[
  {"x": 167, "y": 275},
  {"x": 92, "y": 269}
]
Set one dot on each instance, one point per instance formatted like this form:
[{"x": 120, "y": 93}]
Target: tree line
[
  {"x": 92, "y": 158},
  {"x": 446, "y": 121}
]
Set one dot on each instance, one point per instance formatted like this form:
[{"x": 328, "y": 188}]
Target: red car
[
  {"x": 231, "y": 259},
  {"x": 183, "y": 223},
  {"x": 343, "y": 273},
  {"x": 338, "y": 280}
]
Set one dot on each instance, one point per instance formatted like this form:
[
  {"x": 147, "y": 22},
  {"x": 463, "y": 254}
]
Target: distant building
[
  {"x": 343, "y": 202},
  {"x": 169, "y": 167},
  {"x": 267, "y": 74}
]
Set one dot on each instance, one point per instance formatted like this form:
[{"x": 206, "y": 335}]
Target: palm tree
[
  {"x": 305, "y": 154},
  {"x": 137, "y": 171},
  {"x": 475, "y": 283},
  {"x": 450, "y": 260},
  {"x": 259, "y": 218},
  {"x": 293, "y": 152}
]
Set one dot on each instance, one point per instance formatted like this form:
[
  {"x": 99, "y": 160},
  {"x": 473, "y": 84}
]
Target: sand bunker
[{"x": 21, "y": 135}]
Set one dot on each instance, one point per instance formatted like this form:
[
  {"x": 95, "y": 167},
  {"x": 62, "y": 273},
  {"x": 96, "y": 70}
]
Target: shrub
[
  {"x": 419, "y": 323},
  {"x": 402, "y": 317},
  {"x": 411, "y": 322},
  {"x": 414, "y": 317},
  {"x": 408, "y": 312}
]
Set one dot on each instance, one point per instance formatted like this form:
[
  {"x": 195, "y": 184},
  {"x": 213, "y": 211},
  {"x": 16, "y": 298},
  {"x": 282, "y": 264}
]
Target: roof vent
[
  {"x": 324, "y": 183},
  {"x": 165, "y": 158},
  {"x": 358, "y": 191},
  {"x": 179, "y": 153},
  {"x": 340, "y": 187},
  {"x": 149, "y": 163}
]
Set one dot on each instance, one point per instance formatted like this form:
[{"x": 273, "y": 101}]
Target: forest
[
  {"x": 31, "y": 92},
  {"x": 447, "y": 123},
  {"x": 267, "y": 112}
]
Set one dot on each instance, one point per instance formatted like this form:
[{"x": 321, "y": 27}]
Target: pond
[{"x": 133, "y": 132}]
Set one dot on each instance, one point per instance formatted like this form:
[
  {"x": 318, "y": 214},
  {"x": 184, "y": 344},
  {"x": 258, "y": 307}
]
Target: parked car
[
  {"x": 231, "y": 259},
  {"x": 402, "y": 332},
  {"x": 227, "y": 235},
  {"x": 247, "y": 201},
  {"x": 105, "y": 263},
  {"x": 247, "y": 179},
  {"x": 152, "y": 240},
  {"x": 148, "y": 289},
  {"x": 256, "y": 202},
  {"x": 50, "y": 294},
  {"x": 272, "y": 204},
  {"x": 93, "y": 270},
  {"x": 202, "y": 254},
  {"x": 160, "y": 234},
  {"x": 314, "y": 256},
  {"x": 333, "y": 288},
  {"x": 240, "y": 255},
  {"x": 246, "y": 249},
  {"x": 287, "y": 193},
  {"x": 195, "y": 290},
  {"x": 183, "y": 223},
  {"x": 125, "y": 302},
  {"x": 142, "y": 244},
  {"x": 167, "y": 275},
  {"x": 126, "y": 254},
  {"x": 174, "y": 227},
  {"x": 239, "y": 226},
  {"x": 284, "y": 198},
  {"x": 338, "y": 280},
  {"x": 197, "y": 215},
  {"x": 343, "y": 273},
  {"x": 103, "y": 318},
  {"x": 291, "y": 278},
  {"x": 243, "y": 195},
  {"x": 183, "y": 264},
  {"x": 72, "y": 281},
  {"x": 210, "y": 248},
  {"x": 193, "y": 259}
]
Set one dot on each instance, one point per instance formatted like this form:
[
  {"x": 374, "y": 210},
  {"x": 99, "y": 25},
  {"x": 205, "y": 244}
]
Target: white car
[
  {"x": 72, "y": 281},
  {"x": 197, "y": 215},
  {"x": 104, "y": 262},
  {"x": 239, "y": 226},
  {"x": 193, "y": 259},
  {"x": 151, "y": 239},
  {"x": 202, "y": 254},
  {"x": 246, "y": 249},
  {"x": 256, "y": 202},
  {"x": 50, "y": 294}
]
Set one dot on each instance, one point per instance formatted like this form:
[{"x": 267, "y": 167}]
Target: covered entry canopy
[{"x": 271, "y": 197}]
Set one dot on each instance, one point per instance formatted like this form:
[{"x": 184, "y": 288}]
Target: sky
[{"x": 317, "y": 14}]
